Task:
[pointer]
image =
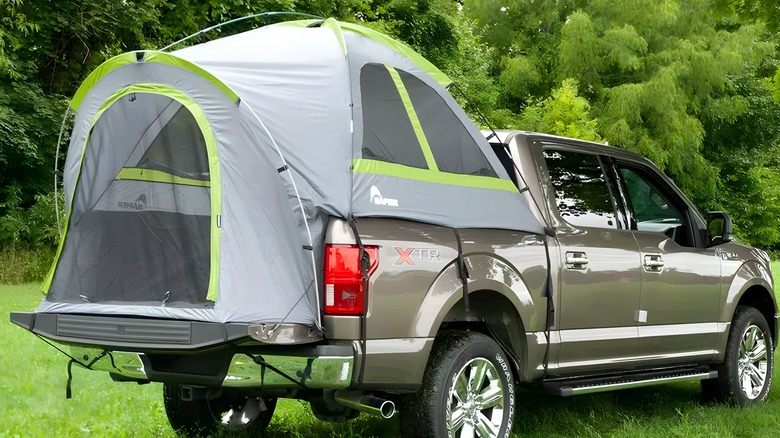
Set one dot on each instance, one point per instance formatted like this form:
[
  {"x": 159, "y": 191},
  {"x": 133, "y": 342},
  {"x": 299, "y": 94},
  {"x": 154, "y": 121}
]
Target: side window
[
  {"x": 648, "y": 203},
  {"x": 388, "y": 134},
  {"x": 581, "y": 192},
  {"x": 453, "y": 148}
]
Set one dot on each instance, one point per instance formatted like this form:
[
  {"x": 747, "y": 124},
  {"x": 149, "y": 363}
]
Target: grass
[
  {"x": 33, "y": 404},
  {"x": 24, "y": 264}
]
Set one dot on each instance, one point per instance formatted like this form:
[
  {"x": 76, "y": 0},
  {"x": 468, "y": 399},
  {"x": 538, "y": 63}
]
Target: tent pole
[
  {"x": 56, "y": 168},
  {"x": 236, "y": 20}
]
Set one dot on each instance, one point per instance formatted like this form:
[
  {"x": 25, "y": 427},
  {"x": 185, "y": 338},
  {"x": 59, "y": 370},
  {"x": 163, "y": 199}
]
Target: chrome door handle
[
  {"x": 654, "y": 262},
  {"x": 576, "y": 260}
]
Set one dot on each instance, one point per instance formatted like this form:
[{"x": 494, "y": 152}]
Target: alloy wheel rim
[
  {"x": 475, "y": 406},
  {"x": 753, "y": 362}
]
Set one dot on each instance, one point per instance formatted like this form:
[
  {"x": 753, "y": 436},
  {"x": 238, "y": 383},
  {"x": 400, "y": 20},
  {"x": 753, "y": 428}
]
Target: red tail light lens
[{"x": 344, "y": 288}]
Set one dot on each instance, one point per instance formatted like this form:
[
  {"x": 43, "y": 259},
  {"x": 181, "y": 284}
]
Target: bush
[{"x": 28, "y": 238}]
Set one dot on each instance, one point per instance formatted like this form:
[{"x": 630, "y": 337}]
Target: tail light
[{"x": 345, "y": 291}]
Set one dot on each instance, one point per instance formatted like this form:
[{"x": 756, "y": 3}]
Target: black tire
[
  {"x": 430, "y": 411},
  {"x": 745, "y": 376},
  {"x": 204, "y": 417}
]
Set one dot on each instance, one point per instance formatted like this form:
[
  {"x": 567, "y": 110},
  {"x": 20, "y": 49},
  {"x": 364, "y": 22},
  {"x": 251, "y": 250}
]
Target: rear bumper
[
  {"x": 194, "y": 353},
  {"x": 142, "y": 334},
  {"x": 316, "y": 367}
]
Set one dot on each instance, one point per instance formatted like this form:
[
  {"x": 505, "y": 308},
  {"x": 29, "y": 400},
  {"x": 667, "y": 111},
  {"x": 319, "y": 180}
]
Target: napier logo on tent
[
  {"x": 138, "y": 204},
  {"x": 378, "y": 199}
]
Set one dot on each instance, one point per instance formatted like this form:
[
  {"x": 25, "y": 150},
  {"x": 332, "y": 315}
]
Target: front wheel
[
  {"x": 229, "y": 413},
  {"x": 467, "y": 391},
  {"x": 745, "y": 375}
]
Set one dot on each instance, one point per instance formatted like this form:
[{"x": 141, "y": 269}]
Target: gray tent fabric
[{"x": 199, "y": 183}]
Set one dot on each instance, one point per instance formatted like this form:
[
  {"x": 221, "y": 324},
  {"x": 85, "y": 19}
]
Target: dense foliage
[{"x": 692, "y": 84}]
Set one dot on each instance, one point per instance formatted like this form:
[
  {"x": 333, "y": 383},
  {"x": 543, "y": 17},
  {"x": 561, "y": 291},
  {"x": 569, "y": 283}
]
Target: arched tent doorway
[{"x": 139, "y": 229}]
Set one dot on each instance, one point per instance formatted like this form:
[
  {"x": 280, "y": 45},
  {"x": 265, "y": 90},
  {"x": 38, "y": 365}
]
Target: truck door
[
  {"x": 681, "y": 278},
  {"x": 599, "y": 282}
]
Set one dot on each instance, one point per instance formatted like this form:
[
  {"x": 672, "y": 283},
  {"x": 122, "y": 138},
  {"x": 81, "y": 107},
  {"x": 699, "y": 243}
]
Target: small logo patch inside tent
[{"x": 138, "y": 204}]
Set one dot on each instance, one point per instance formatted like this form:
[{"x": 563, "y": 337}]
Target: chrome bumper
[
  {"x": 315, "y": 371},
  {"x": 323, "y": 372}
]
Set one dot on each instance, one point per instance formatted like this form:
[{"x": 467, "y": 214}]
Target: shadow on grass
[
  {"x": 659, "y": 411},
  {"x": 293, "y": 418},
  {"x": 597, "y": 414}
]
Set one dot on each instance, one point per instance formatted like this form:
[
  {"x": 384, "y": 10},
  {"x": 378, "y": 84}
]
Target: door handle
[
  {"x": 653, "y": 262},
  {"x": 576, "y": 260}
]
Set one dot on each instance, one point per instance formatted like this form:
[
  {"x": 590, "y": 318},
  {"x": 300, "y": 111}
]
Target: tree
[
  {"x": 668, "y": 79},
  {"x": 47, "y": 48},
  {"x": 565, "y": 114},
  {"x": 27, "y": 116}
]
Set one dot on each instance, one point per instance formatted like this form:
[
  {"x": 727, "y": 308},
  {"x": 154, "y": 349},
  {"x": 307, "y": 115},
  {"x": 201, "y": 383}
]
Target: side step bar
[{"x": 568, "y": 387}]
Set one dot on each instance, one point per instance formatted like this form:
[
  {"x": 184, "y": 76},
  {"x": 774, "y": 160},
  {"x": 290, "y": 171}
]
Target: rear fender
[{"x": 486, "y": 275}]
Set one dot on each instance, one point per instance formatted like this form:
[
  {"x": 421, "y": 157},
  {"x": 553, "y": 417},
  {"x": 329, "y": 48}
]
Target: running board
[{"x": 570, "y": 387}]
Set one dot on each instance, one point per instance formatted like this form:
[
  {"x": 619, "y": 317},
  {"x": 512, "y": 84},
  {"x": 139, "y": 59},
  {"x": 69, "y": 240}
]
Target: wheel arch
[
  {"x": 500, "y": 303},
  {"x": 492, "y": 314},
  {"x": 752, "y": 286},
  {"x": 758, "y": 297}
]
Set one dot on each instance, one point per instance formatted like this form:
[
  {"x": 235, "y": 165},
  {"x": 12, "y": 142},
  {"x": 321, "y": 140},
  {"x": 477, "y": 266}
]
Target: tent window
[
  {"x": 453, "y": 147},
  {"x": 179, "y": 148},
  {"x": 387, "y": 132}
]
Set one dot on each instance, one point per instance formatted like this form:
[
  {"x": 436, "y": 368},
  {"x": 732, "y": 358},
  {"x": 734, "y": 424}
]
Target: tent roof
[
  {"x": 379, "y": 37},
  {"x": 167, "y": 58}
]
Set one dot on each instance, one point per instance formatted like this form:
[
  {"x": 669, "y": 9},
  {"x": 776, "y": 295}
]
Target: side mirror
[{"x": 719, "y": 228}]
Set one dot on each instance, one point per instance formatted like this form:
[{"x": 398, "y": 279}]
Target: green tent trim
[
  {"x": 138, "y": 174},
  {"x": 413, "y": 119},
  {"x": 145, "y": 56},
  {"x": 432, "y": 176},
  {"x": 332, "y": 24}
]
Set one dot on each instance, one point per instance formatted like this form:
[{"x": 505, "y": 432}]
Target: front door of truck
[
  {"x": 681, "y": 278},
  {"x": 599, "y": 288}
]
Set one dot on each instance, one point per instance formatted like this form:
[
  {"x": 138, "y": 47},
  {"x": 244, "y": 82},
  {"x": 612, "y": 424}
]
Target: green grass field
[{"x": 33, "y": 404}]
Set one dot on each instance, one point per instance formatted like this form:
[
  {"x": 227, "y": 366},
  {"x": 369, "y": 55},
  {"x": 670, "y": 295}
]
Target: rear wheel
[
  {"x": 229, "y": 413},
  {"x": 745, "y": 375},
  {"x": 467, "y": 391}
]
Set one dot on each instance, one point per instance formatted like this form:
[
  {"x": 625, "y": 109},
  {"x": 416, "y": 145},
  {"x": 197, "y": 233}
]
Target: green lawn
[{"x": 33, "y": 404}]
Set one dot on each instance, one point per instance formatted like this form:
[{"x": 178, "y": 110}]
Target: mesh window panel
[
  {"x": 143, "y": 239},
  {"x": 178, "y": 149},
  {"x": 387, "y": 132},
  {"x": 453, "y": 147}
]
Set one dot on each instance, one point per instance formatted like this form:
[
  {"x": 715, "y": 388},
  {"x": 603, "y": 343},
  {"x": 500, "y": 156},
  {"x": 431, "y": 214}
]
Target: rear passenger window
[{"x": 581, "y": 192}]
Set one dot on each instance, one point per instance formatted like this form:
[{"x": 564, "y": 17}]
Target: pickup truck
[{"x": 628, "y": 286}]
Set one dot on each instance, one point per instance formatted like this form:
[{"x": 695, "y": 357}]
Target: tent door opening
[{"x": 139, "y": 229}]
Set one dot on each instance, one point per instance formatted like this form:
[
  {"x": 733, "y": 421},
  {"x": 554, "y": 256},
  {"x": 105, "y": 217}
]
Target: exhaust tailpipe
[{"x": 366, "y": 403}]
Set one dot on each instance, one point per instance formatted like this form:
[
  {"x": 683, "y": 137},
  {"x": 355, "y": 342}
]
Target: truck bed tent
[{"x": 198, "y": 183}]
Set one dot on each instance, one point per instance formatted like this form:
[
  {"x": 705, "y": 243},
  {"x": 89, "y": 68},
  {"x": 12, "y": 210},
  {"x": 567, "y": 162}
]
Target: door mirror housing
[{"x": 719, "y": 228}]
